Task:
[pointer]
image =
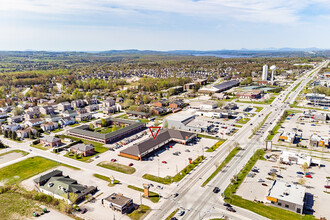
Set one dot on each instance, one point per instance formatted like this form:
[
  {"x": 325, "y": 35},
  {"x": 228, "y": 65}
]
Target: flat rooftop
[{"x": 287, "y": 192}]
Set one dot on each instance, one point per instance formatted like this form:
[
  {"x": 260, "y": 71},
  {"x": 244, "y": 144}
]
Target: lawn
[
  {"x": 25, "y": 169},
  {"x": 169, "y": 179},
  {"x": 243, "y": 121},
  {"x": 117, "y": 167},
  {"x": 172, "y": 214},
  {"x": 153, "y": 197},
  {"x": 214, "y": 147},
  {"x": 39, "y": 146},
  {"x": 57, "y": 130},
  {"x": 258, "y": 109},
  {"x": 105, "y": 178},
  {"x": 222, "y": 165},
  {"x": 259, "y": 208},
  {"x": 15, "y": 151},
  {"x": 106, "y": 130},
  {"x": 139, "y": 213},
  {"x": 266, "y": 102}
]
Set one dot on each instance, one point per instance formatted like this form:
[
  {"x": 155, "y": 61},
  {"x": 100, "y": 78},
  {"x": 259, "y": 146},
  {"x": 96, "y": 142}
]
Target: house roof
[
  {"x": 164, "y": 135},
  {"x": 83, "y": 147},
  {"x": 50, "y": 139},
  {"x": 138, "y": 113},
  {"x": 48, "y": 176},
  {"x": 227, "y": 85}
]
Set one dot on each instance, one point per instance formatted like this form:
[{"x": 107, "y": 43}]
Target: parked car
[
  {"x": 113, "y": 160},
  {"x": 83, "y": 211},
  {"x": 227, "y": 204},
  {"x": 187, "y": 150},
  {"x": 264, "y": 184},
  {"x": 308, "y": 176},
  {"x": 327, "y": 186},
  {"x": 181, "y": 212},
  {"x": 261, "y": 180},
  {"x": 301, "y": 173},
  {"x": 300, "y": 176},
  {"x": 131, "y": 164},
  {"x": 216, "y": 189},
  {"x": 164, "y": 162},
  {"x": 230, "y": 209},
  {"x": 175, "y": 195},
  {"x": 150, "y": 184},
  {"x": 97, "y": 156}
]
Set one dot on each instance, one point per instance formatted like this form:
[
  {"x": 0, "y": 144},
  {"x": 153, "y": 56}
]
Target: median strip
[
  {"x": 222, "y": 165},
  {"x": 254, "y": 130}
]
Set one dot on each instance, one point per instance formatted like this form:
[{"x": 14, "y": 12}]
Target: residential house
[
  {"x": 84, "y": 117},
  {"x": 50, "y": 126},
  {"x": 59, "y": 186},
  {"x": 118, "y": 202},
  {"x": 84, "y": 149},
  {"x": 3, "y": 115},
  {"x": 81, "y": 111},
  {"x": 12, "y": 127},
  {"x": 34, "y": 122},
  {"x": 52, "y": 118},
  {"x": 109, "y": 110},
  {"x": 119, "y": 99},
  {"x": 92, "y": 101},
  {"x": 79, "y": 103},
  {"x": 91, "y": 108},
  {"x": 138, "y": 114},
  {"x": 15, "y": 119},
  {"x": 64, "y": 106},
  {"x": 159, "y": 110},
  {"x": 24, "y": 133},
  {"x": 65, "y": 121},
  {"x": 31, "y": 115},
  {"x": 47, "y": 110},
  {"x": 109, "y": 102},
  {"x": 51, "y": 141},
  {"x": 177, "y": 104},
  {"x": 160, "y": 103},
  {"x": 69, "y": 113}
]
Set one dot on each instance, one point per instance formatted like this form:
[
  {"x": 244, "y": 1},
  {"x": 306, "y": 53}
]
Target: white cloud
[{"x": 260, "y": 11}]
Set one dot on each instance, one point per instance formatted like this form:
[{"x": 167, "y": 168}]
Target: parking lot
[
  {"x": 252, "y": 189},
  {"x": 162, "y": 162},
  {"x": 303, "y": 126}
]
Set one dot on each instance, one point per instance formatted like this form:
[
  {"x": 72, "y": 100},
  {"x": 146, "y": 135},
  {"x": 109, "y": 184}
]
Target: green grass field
[
  {"x": 117, "y": 167},
  {"x": 243, "y": 120},
  {"x": 258, "y": 109},
  {"x": 105, "y": 178},
  {"x": 39, "y": 146},
  {"x": 153, "y": 197},
  {"x": 25, "y": 169},
  {"x": 214, "y": 147},
  {"x": 169, "y": 179},
  {"x": 97, "y": 149},
  {"x": 139, "y": 213}
]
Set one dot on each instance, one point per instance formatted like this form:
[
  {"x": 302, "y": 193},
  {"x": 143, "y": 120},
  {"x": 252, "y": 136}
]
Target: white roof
[
  {"x": 181, "y": 116},
  {"x": 286, "y": 192},
  {"x": 301, "y": 158}
]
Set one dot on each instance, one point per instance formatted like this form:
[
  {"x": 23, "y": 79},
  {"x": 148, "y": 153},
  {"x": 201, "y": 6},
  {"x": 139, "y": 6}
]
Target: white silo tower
[
  {"x": 272, "y": 68},
  {"x": 264, "y": 72}
]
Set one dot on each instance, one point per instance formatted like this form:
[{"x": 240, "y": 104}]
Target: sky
[{"x": 99, "y": 25}]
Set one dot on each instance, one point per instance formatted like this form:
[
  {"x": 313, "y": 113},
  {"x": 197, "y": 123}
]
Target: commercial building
[
  {"x": 287, "y": 196},
  {"x": 118, "y": 202},
  {"x": 142, "y": 149},
  {"x": 84, "y": 149},
  {"x": 51, "y": 141},
  {"x": 295, "y": 158},
  {"x": 289, "y": 137},
  {"x": 186, "y": 120},
  {"x": 203, "y": 105},
  {"x": 130, "y": 127},
  {"x": 319, "y": 141},
  {"x": 61, "y": 187}
]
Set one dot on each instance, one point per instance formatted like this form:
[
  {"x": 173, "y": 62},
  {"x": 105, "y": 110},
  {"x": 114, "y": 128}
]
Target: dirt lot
[{"x": 252, "y": 189}]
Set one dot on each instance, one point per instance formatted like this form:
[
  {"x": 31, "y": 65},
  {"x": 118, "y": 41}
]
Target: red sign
[{"x": 152, "y": 133}]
